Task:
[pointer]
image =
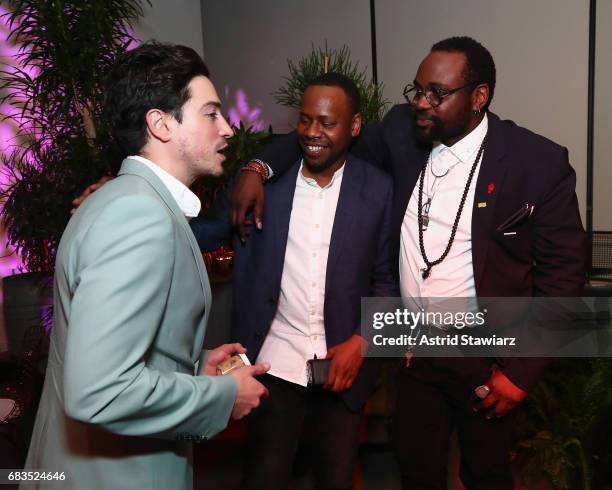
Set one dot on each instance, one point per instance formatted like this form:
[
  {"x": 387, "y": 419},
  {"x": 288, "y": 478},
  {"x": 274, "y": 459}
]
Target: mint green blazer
[{"x": 122, "y": 398}]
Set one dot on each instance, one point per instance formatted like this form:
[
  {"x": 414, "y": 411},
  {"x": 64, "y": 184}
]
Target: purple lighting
[
  {"x": 28, "y": 120},
  {"x": 9, "y": 262},
  {"x": 240, "y": 111},
  {"x": 7, "y": 136}
]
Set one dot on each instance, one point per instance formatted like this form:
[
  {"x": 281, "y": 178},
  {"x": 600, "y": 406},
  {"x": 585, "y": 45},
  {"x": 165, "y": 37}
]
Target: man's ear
[
  {"x": 356, "y": 125},
  {"x": 157, "y": 124},
  {"x": 480, "y": 97}
]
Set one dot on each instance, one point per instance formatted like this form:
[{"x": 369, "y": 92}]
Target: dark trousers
[
  {"x": 274, "y": 433},
  {"x": 435, "y": 396}
]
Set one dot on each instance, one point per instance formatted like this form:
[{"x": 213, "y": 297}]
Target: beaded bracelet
[
  {"x": 260, "y": 167},
  {"x": 263, "y": 165},
  {"x": 257, "y": 168}
]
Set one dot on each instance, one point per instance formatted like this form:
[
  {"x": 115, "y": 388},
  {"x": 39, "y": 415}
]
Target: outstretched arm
[
  {"x": 279, "y": 155},
  {"x": 248, "y": 193}
]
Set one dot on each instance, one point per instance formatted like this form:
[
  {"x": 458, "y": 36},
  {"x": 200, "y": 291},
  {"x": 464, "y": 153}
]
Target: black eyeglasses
[{"x": 435, "y": 96}]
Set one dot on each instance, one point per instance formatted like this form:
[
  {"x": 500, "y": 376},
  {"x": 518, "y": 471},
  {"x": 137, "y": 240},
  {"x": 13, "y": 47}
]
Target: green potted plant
[
  {"x": 557, "y": 422},
  {"x": 324, "y": 60},
  {"x": 65, "y": 49}
]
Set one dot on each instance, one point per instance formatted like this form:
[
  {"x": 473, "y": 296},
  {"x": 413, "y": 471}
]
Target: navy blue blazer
[
  {"x": 546, "y": 256},
  {"x": 359, "y": 263}
]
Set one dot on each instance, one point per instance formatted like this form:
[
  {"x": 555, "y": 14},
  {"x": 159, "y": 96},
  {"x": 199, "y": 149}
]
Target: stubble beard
[
  {"x": 443, "y": 132},
  {"x": 200, "y": 166}
]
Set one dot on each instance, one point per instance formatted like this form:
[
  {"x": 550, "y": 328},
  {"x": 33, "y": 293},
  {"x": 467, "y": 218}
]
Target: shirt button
[
  {"x": 314, "y": 254},
  {"x": 320, "y": 196},
  {"x": 317, "y": 225},
  {"x": 314, "y": 284},
  {"x": 314, "y": 337}
]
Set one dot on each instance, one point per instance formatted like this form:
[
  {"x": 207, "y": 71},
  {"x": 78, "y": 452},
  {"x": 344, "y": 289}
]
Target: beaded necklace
[{"x": 423, "y": 215}]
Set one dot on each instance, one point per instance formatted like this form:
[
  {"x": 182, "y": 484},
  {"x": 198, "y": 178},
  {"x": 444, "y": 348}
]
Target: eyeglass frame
[{"x": 420, "y": 92}]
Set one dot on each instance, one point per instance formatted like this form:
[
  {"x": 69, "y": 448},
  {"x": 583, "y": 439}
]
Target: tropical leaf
[
  {"x": 556, "y": 423},
  {"x": 323, "y": 60},
  {"x": 66, "y": 49}
]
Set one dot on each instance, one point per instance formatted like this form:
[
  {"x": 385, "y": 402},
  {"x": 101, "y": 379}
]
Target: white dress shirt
[
  {"x": 297, "y": 332},
  {"x": 187, "y": 201},
  {"x": 454, "y": 277}
]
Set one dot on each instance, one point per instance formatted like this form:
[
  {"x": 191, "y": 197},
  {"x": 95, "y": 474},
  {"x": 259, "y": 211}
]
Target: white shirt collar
[
  {"x": 310, "y": 181},
  {"x": 187, "y": 201},
  {"x": 467, "y": 146}
]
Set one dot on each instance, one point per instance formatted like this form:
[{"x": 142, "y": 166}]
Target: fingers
[
  {"x": 91, "y": 188},
  {"x": 213, "y": 359},
  {"x": 486, "y": 403},
  {"x": 258, "y": 369},
  {"x": 238, "y": 211},
  {"x": 502, "y": 398},
  {"x": 490, "y": 410},
  {"x": 339, "y": 379},
  {"x": 226, "y": 350},
  {"x": 346, "y": 361},
  {"x": 76, "y": 202},
  {"x": 217, "y": 356},
  {"x": 249, "y": 390},
  {"x": 239, "y": 222},
  {"x": 342, "y": 376},
  {"x": 494, "y": 406},
  {"x": 498, "y": 410},
  {"x": 342, "y": 383},
  {"x": 233, "y": 217},
  {"x": 247, "y": 193},
  {"x": 258, "y": 211},
  {"x": 501, "y": 408},
  {"x": 338, "y": 384},
  {"x": 260, "y": 392},
  {"x": 235, "y": 348}
]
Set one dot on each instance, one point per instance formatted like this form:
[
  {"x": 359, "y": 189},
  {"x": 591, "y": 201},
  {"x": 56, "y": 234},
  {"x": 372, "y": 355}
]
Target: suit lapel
[
  {"x": 136, "y": 168},
  {"x": 347, "y": 212},
  {"x": 279, "y": 203},
  {"x": 488, "y": 187}
]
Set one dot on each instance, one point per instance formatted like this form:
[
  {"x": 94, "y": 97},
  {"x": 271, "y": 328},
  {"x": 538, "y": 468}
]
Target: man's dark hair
[
  {"x": 152, "y": 76},
  {"x": 333, "y": 79},
  {"x": 479, "y": 67}
]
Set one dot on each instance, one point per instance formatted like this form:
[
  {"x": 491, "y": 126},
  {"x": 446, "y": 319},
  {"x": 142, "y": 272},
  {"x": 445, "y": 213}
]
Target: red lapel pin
[{"x": 490, "y": 188}]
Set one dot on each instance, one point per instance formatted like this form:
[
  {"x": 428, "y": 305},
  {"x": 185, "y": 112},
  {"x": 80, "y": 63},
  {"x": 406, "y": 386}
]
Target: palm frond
[
  {"x": 66, "y": 49},
  {"x": 306, "y": 69}
]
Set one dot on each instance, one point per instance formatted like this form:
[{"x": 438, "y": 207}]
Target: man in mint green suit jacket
[{"x": 126, "y": 390}]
